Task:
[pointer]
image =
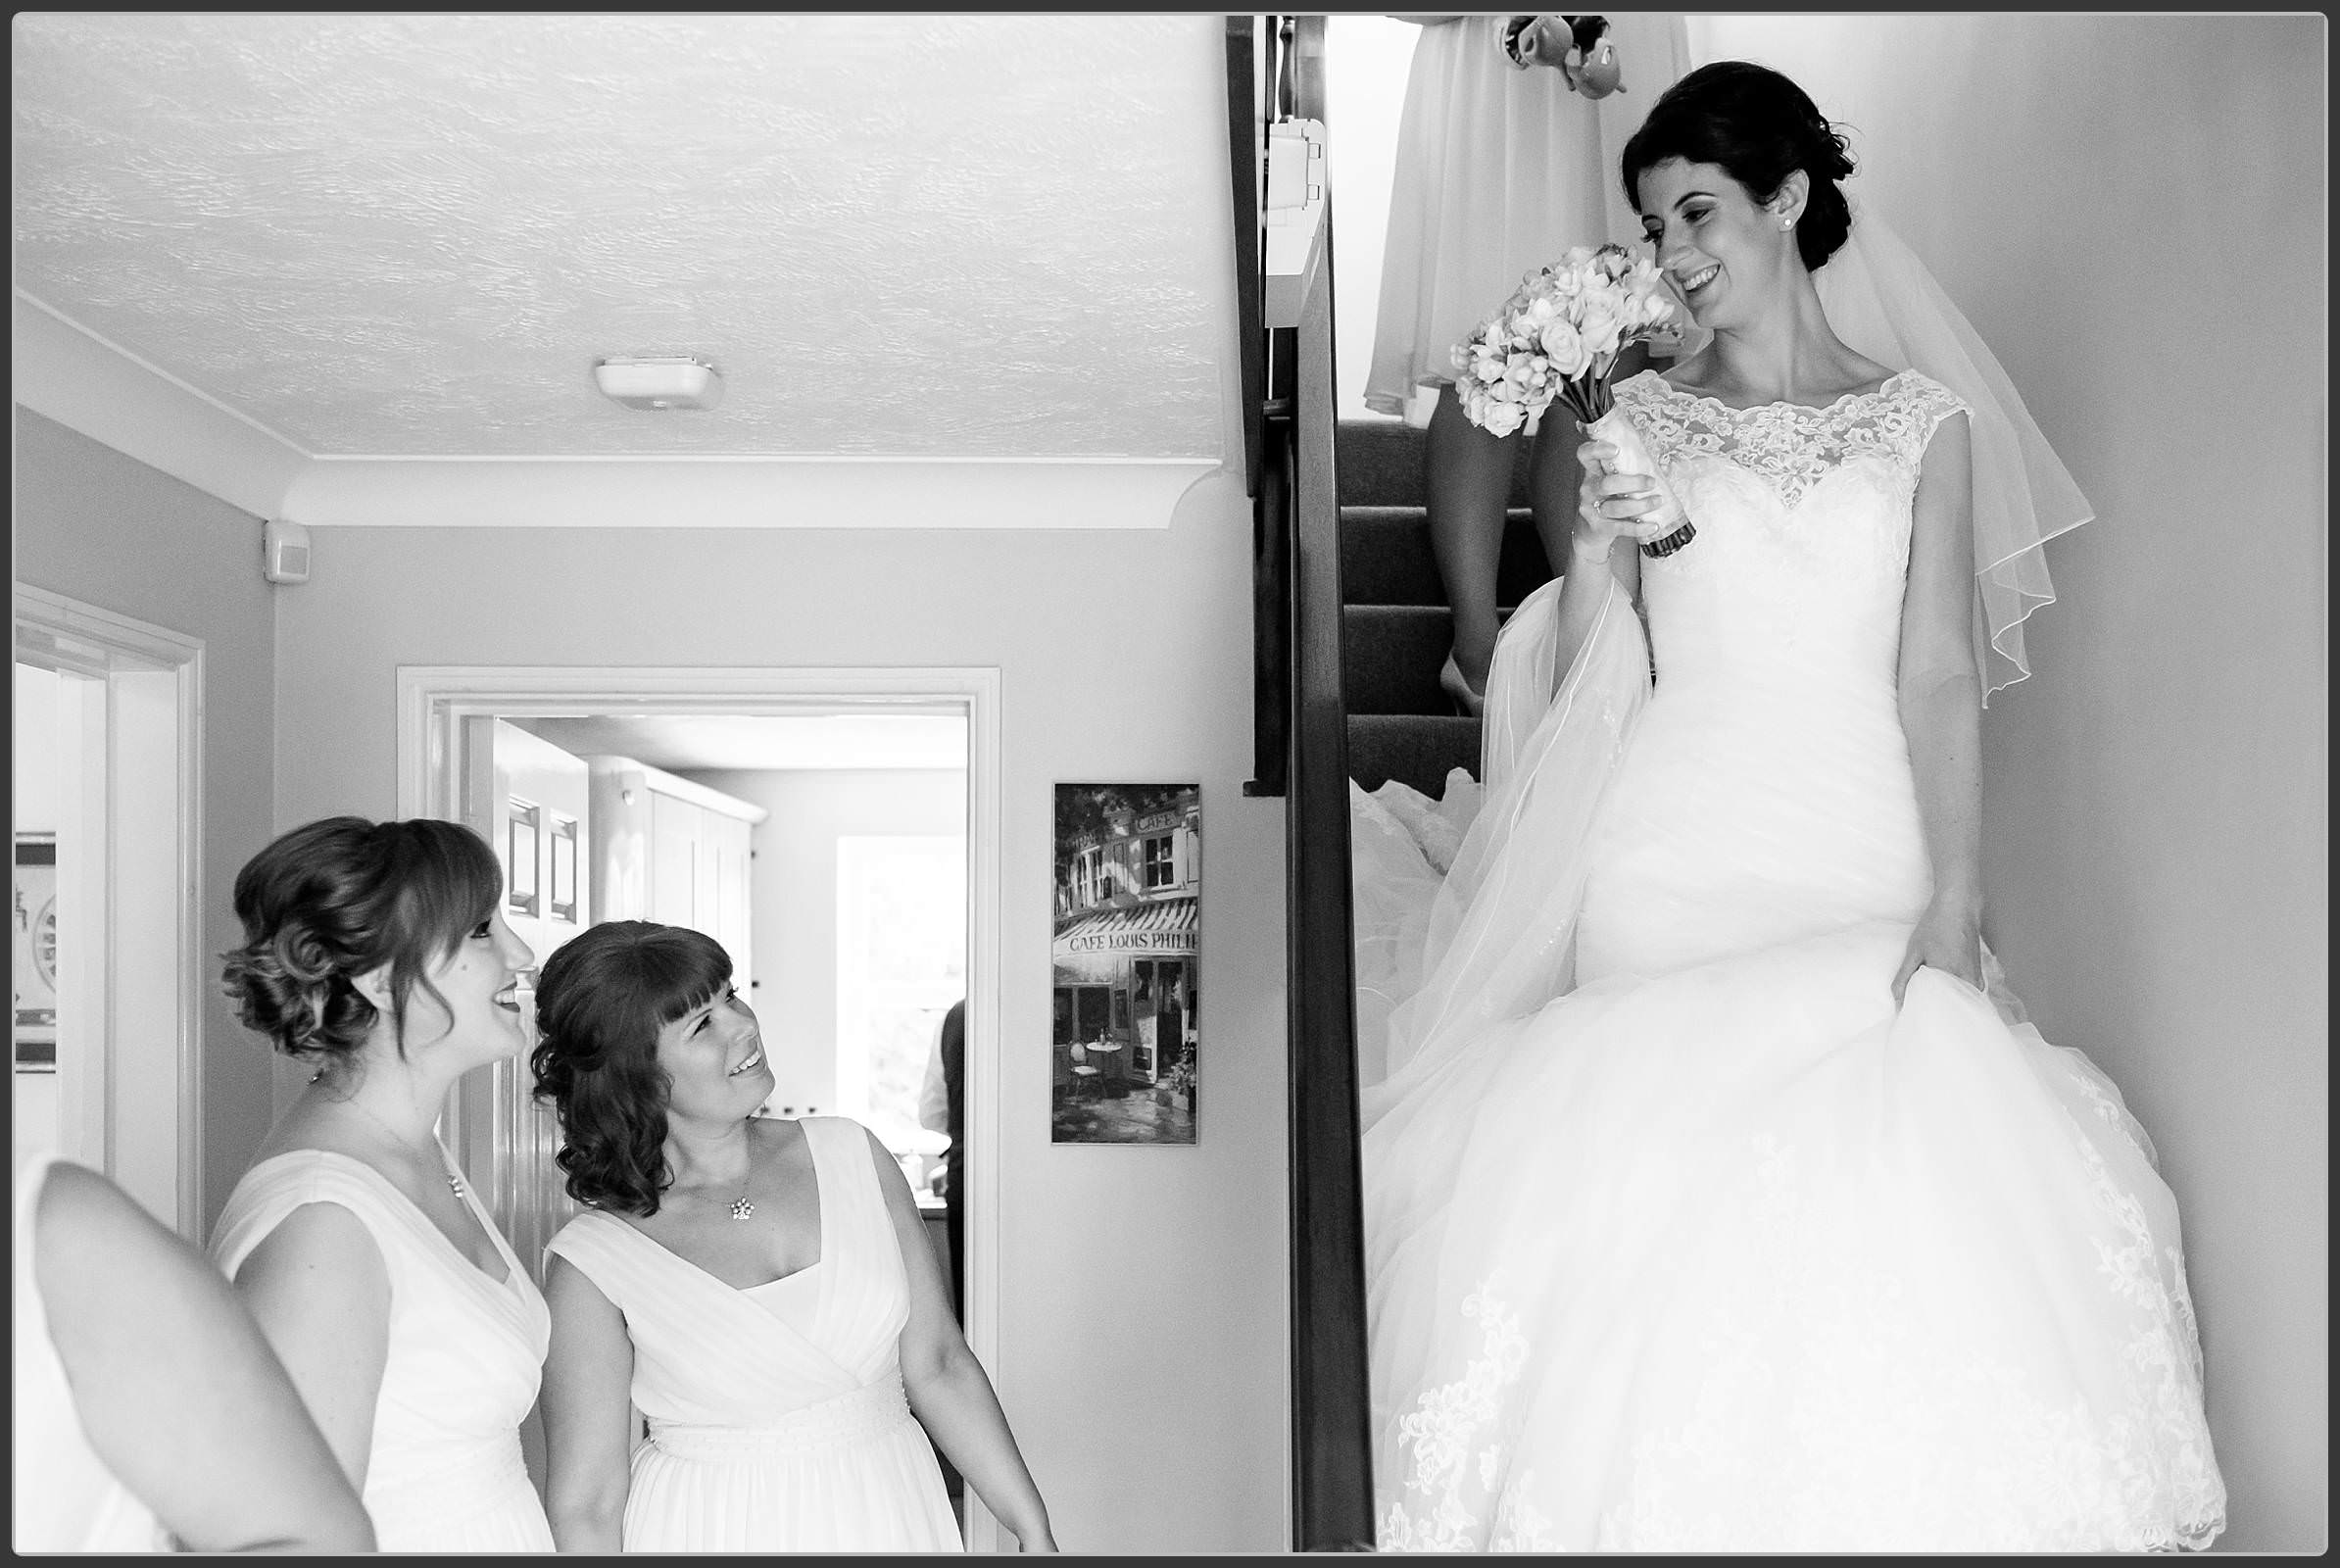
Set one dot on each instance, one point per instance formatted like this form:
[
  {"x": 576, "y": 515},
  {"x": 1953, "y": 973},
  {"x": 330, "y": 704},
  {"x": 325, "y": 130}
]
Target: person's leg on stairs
[{"x": 1466, "y": 481}]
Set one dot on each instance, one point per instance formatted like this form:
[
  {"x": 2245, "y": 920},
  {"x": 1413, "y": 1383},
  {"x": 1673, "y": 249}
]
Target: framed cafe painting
[{"x": 1128, "y": 885}]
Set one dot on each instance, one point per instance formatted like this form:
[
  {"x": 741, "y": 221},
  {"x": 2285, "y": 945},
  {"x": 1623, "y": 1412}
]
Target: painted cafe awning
[{"x": 1165, "y": 928}]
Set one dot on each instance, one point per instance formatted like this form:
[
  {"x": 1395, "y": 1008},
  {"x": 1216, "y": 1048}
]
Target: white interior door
[
  {"x": 532, "y": 801},
  {"x": 729, "y": 843},
  {"x": 674, "y": 861}
]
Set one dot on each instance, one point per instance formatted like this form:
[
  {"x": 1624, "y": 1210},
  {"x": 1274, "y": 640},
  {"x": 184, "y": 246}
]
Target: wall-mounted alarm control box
[{"x": 285, "y": 552}]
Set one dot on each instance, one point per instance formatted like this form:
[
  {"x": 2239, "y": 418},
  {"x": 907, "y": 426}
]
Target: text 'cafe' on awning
[{"x": 1126, "y": 976}]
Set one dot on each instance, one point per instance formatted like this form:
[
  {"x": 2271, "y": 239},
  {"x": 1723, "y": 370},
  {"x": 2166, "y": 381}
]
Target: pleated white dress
[
  {"x": 777, "y": 1416},
  {"x": 66, "y": 1497},
  {"x": 466, "y": 1353},
  {"x": 1499, "y": 171}
]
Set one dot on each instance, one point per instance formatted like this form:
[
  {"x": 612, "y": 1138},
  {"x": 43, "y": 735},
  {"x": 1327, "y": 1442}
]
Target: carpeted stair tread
[
  {"x": 1386, "y": 558},
  {"x": 1395, "y": 626},
  {"x": 1416, "y": 749},
  {"x": 1379, "y": 462},
  {"x": 1391, "y": 656}
]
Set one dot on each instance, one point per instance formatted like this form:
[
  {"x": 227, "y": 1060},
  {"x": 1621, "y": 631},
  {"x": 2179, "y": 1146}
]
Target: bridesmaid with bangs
[
  {"x": 761, "y": 1290},
  {"x": 376, "y": 952}
]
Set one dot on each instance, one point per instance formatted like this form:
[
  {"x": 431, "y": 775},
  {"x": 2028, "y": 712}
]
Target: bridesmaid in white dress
[
  {"x": 761, "y": 1291},
  {"x": 149, "y": 1411},
  {"x": 1503, "y": 161},
  {"x": 413, "y": 1332}
]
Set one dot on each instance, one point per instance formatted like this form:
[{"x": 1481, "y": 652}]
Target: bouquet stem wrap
[{"x": 1633, "y": 456}]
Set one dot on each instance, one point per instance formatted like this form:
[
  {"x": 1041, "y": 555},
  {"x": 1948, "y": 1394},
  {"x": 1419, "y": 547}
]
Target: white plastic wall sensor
[
  {"x": 283, "y": 551},
  {"x": 658, "y": 381}
]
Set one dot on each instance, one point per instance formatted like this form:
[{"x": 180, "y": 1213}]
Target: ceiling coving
[{"x": 410, "y": 236}]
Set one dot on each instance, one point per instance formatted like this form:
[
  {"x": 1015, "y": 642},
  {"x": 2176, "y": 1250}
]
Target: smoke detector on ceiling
[{"x": 658, "y": 381}]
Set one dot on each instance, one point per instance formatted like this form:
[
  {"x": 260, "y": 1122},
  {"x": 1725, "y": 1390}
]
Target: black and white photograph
[
  {"x": 1125, "y": 964},
  {"x": 623, "y": 621}
]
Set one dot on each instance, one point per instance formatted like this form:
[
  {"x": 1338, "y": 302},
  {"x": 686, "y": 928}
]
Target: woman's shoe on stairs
[{"x": 1467, "y": 703}]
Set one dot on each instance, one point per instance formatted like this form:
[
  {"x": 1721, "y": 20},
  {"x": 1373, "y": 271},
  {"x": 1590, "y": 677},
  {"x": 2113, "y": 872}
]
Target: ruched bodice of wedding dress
[
  {"x": 777, "y": 1415},
  {"x": 1680, "y": 1234}
]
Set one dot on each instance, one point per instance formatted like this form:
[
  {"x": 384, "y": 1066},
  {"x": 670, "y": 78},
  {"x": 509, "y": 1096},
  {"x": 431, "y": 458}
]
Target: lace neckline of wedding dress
[{"x": 1881, "y": 389}]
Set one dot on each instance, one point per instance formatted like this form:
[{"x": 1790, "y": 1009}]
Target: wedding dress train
[{"x": 1680, "y": 1234}]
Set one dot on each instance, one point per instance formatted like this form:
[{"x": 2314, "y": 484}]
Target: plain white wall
[
  {"x": 793, "y": 892},
  {"x": 1368, "y": 59},
  {"x": 2132, "y": 211},
  {"x": 1143, "y": 1351},
  {"x": 32, "y": 807}
]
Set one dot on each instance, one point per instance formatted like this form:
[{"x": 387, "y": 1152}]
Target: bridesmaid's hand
[
  {"x": 1611, "y": 505},
  {"x": 1948, "y": 938}
]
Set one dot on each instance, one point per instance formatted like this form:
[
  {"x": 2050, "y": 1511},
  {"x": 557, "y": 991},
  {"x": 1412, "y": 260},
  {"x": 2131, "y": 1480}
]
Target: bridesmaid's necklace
[
  {"x": 742, "y": 1206},
  {"x": 455, "y": 1183}
]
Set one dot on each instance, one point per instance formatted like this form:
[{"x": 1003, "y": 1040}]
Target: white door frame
[
  {"x": 142, "y": 769},
  {"x": 433, "y": 701}
]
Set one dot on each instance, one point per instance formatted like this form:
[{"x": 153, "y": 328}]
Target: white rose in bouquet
[{"x": 1565, "y": 347}]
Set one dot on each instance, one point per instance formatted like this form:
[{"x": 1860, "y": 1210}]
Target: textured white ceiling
[{"x": 989, "y": 237}]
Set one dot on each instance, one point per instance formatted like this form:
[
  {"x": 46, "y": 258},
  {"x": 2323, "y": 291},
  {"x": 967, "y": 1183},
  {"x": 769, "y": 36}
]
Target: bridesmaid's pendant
[
  {"x": 455, "y": 1185},
  {"x": 741, "y": 1208}
]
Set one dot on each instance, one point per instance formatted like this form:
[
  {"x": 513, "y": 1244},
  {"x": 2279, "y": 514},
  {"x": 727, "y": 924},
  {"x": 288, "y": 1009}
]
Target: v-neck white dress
[
  {"x": 467, "y": 1352},
  {"x": 777, "y": 1416}
]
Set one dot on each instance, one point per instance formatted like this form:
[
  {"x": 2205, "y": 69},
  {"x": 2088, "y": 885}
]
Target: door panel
[
  {"x": 674, "y": 870},
  {"x": 532, "y": 801}
]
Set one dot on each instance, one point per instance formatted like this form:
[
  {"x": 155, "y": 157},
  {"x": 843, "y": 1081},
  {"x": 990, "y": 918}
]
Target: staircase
[{"x": 1395, "y": 626}]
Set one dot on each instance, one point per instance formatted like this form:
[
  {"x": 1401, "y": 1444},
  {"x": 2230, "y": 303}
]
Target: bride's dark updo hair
[
  {"x": 600, "y": 1000},
  {"x": 329, "y": 901},
  {"x": 1759, "y": 127}
]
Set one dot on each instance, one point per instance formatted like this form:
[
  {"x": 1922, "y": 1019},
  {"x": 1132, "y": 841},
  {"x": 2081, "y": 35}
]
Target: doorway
[
  {"x": 107, "y": 1036},
  {"x": 443, "y": 711}
]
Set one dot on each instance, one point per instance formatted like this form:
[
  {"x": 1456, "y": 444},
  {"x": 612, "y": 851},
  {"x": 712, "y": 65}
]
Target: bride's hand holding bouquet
[{"x": 1557, "y": 338}]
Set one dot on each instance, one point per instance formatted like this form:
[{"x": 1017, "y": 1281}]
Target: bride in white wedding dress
[{"x": 1718, "y": 1196}]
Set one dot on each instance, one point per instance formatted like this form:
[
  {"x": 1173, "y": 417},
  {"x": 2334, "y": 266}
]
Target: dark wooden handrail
[
  {"x": 1332, "y": 1452},
  {"x": 1301, "y": 739}
]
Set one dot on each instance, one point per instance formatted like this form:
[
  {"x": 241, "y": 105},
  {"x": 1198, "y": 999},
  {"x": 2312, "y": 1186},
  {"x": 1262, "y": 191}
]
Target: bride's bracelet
[{"x": 1591, "y": 555}]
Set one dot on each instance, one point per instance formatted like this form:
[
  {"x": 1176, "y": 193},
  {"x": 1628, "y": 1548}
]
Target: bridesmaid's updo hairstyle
[
  {"x": 339, "y": 898},
  {"x": 600, "y": 1000},
  {"x": 1759, "y": 127}
]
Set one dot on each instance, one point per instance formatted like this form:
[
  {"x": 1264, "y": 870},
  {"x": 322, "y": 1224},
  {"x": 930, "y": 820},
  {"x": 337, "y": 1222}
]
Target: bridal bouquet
[{"x": 1558, "y": 337}]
